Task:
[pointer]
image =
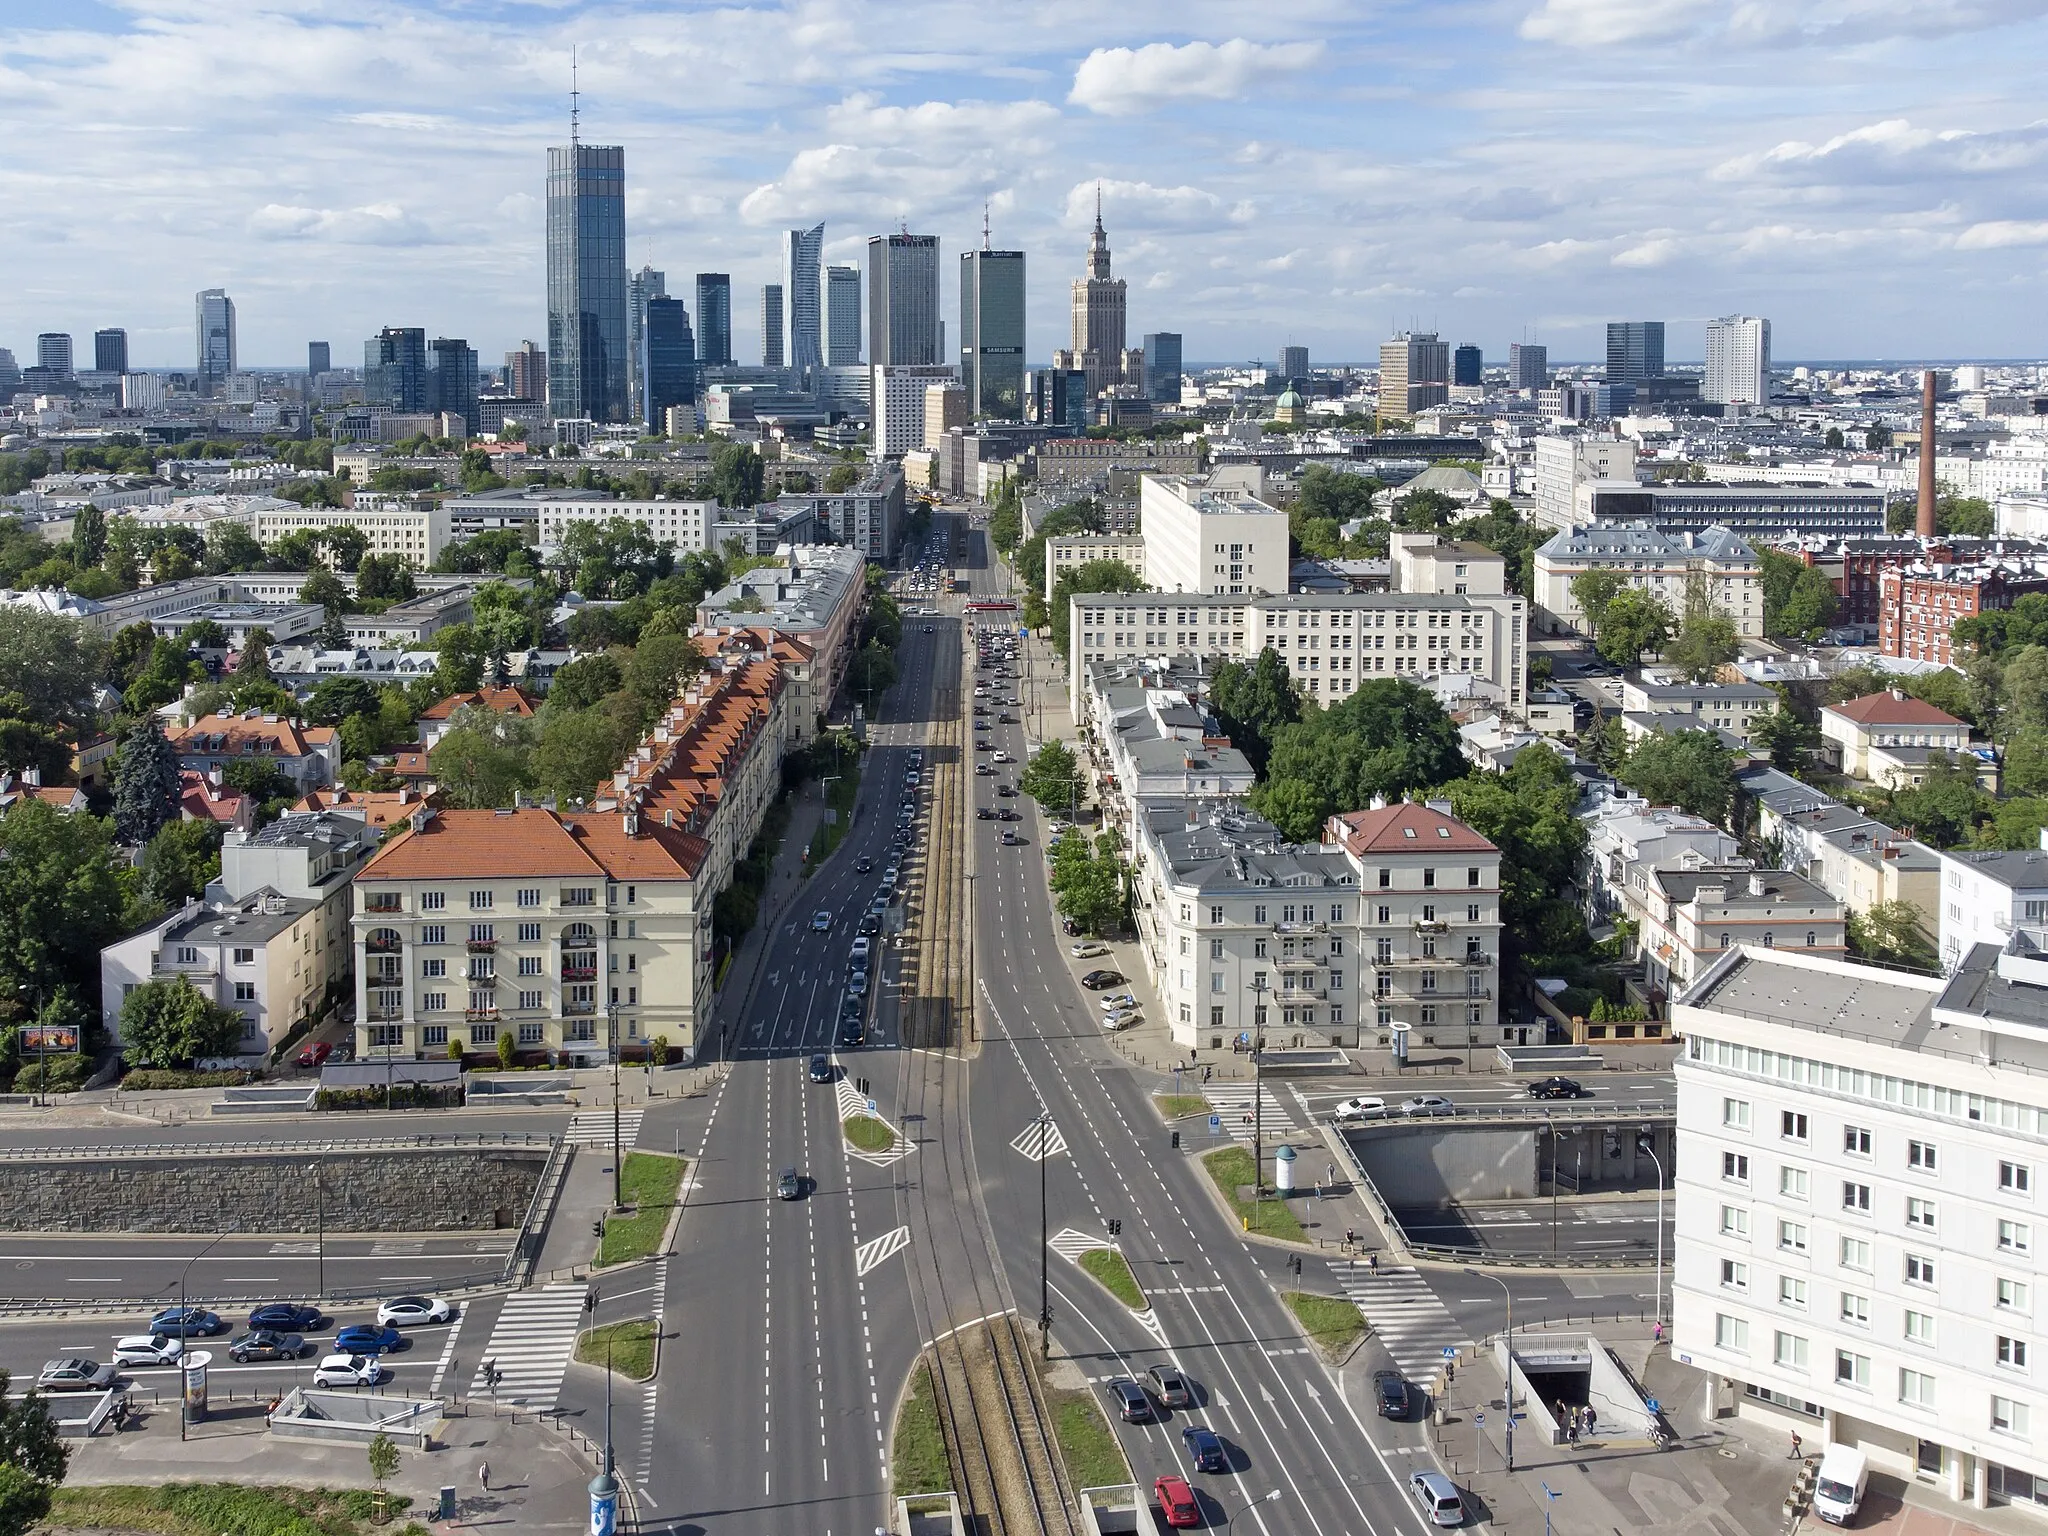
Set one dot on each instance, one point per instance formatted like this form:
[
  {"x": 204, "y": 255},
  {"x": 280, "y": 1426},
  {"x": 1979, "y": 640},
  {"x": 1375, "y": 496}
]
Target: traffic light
[
  {"x": 1176, "y": 1141},
  {"x": 1116, "y": 1226}
]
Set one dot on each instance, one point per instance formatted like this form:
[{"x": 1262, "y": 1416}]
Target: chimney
[
  {"x": 1924, "y": 524},
  {"x": 1756, "y": 885},
  {"x": 1899, "y": 694},
  {"x": 630, "y": 823}
]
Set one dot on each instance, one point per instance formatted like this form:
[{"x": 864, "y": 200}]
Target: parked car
[
  {"x": 1390, "y": 1391},
  {"x": 316, "y": 1053},
  {"x": 1173, "y": 1387},
  {"x": 1438, "y": 1496},
  {"x": 1205, "y": 1448},
  {"x": 368, "y": 1339},
  {"x": 1121, "y": 1019},
  {"x": 1088, "y": 949},
  {"x": 1556, "y": 1088},
  {"x": 1428, "y": 1104},
  {"x": 186, "y": 1322},
  {"x": 1132, "y": 1405},
  {"x": 1119, "y": 1000},
  {"x": 411, "y": 1311},
  {"x": 148, "y": 1349},
  {"x": 264, "y": 1344},
  {"x": 74, "y": 1374},
  {"x": 286, "y": 1316},
  {"x": 1361, "y": 1109},
  {"x": 1177, "y": 1501},
  {"x": 348, "y": 1371}
]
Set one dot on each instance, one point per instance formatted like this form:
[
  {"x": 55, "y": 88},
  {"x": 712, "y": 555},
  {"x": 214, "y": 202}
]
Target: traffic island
[
  {"x": 1087, "y": 1446},
  {"x": 1232, "y": 1172},
  {"x": 1179, "y": 1106},
  {"x": 1113, "y": 1273},
  {"x": 629, "y": 1348},
  {"x": 868, "y": 1134},
  {"x": 917, "y": 1453},
  {"x": 1332, "y": 1323},
  {"x": 650, "y": 1183},
  {"x": 206, "y": 1509}
]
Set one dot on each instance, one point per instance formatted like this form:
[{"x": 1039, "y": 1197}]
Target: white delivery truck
[{"x": 1838, "y": 1490}]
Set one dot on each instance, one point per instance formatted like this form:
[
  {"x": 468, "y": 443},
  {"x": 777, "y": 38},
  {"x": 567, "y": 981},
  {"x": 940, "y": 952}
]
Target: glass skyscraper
[
  {"x": 640, "y": 287},
  {"x": 395, "y": 370},
  {"x": 668, "y": 361},
  {"x": 214, "y": 319},
  {"x": 587, "y": 282},
  {"x": 452, "y": 384},
  {"x": 1635, "y": 350},
  {"x": 992, "y": 333},
  {"x": 772, "y": 355},
  {"x": 714, "y": 319},
  {"x": 842, "y": 316},
  {"x": 903, "y": 301},
  {"x": 803, "y": 251},
  {"x": 110, "y": 350},
  {"x": 1162, "y": 366},
  {"x": 1468, "y": 366}
]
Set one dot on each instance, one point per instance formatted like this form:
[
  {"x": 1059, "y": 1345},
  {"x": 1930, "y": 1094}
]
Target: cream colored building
[
  {"x": 1066, "y": 551},
  {"x": 1664, "y": 565},
  {"x": 1202, "y": 537}
]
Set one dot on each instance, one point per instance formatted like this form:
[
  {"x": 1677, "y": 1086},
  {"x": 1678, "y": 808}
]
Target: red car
[
  {"x": 1177, "y": 1501},
  {"x": 316, "y": 1053}
]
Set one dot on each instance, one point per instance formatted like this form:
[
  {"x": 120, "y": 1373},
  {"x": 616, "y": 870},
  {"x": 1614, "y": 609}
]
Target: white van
[{"x": 1838, "y": 1491}]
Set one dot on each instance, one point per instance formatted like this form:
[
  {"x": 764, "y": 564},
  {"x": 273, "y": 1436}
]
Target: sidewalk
[{"x": 785, "y": 886}]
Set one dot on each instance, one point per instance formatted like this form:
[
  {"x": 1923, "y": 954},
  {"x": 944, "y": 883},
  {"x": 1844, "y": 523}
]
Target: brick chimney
[{"x": 1924, "y": 523}]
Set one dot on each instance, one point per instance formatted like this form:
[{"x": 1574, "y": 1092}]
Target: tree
[
  {"x": 1787, "y": 735},
  {"x": 1385, "y": 739},
  {"x": 1092, "y": 576},
  {"x": 1527, "y": 812},
  {"x": 1965, "y": 516},
  {"x": 1799, "y": 600},
  {"x": 1834, "y": 438},
  {"x": 385, "y": 576},
  {"x": 1088, "y": 884},
  {"x": 33, "y": 1459},
  {"x": 254, "y": 660},
  {"x": 1632, "y": 622},
  {"x": 383, "y": 1458},
  {"x": 579, "y": 749},
  {"x": 461, "y": 668},
  {"x": 582, "y": 682},
  {"x": 1052, "y": 777},
  {"x": 508, "y": 1050},
  {"x": 660, "y": 666},
  {"x": 231, "y": 547},
  {"x": 180, "y": 861},
  {"x": 24, "y": 1499},
  {"x": 26, "y": 742},
  {"x": 171, "y": 1023},
  {"x": 1592, "y": 590},
  {"x": 325, "y": 588},
  {"x": 1005, "y": 519},
  {"x": 1426, "y": 509},
  {"x": 476, "y": 771},
  {"x": 841, "y": 477},
  {"x": 736, "y": 475},
  {"x": 1944, "y": 807},
  {"x": 346, "y": 545},
  {"x": 2024, "y": 689},
  {"x": 146, "y": 786},
  {"x": 1688, "y": 769},
  {"x": 334, "y": 699},
  {"x": 1253, "y": 701},
  {"x": 88, "y": 536},
  {"x": 1703, "y": 646},
  {"x": 52, "y": 662},
  {"x": 1890, "y": 933}
]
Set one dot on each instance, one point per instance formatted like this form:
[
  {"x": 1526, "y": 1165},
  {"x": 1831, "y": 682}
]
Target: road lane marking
[{"x": 876, "y": 1250}]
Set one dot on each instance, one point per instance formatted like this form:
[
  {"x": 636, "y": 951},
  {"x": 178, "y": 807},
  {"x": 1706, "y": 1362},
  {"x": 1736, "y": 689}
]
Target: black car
[
  {"x": 1391, "y": 1393},
  {"x": 863, "y": 865},
  {"x": 1102, "y": 981},
  {"x": 851, "y": 1034},
  {"x": 870, "y": 924},
  {"x": 821, "y": 1068},
  {"x": 264, "y": 1344},
  {"x": 1006, "y": 814},
  {"x": 1007, "y": 791},
  {"x": 1556, "y": 1088},
  {"x": 1007, "y": 719},
  {"x": 984, "y": 813},
  {"x": 1205, "y": 1448},
  {"x": 1132, "y": 1405},
  {"x": 285, "y": 1317}
]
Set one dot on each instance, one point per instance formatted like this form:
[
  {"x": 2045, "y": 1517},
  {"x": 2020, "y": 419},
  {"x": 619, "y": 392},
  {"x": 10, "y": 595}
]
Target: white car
[
  {"x": 1001, "y": 756},
  {"x": 821, "y": 922},
  {"x": 1361, "y": 1109},
  {"x": 1428, "y": 1104},
  {"x": 1087, "y": 949},
  {"x": 148, "y": 1349},
  {"x": 1120, "y": 1019},
  {"x": 348, "y": 1371},
  {"x": 409, "y": 1311},
  {"x": 1120, "y": 1000}
]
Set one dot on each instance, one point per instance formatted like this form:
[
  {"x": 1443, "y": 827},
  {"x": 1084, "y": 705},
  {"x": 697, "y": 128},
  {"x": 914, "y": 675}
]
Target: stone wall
[{"x": 425, "y": 1189}]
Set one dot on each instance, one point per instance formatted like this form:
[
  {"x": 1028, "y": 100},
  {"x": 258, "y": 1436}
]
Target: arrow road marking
[{"x": 876, "y": 1250}]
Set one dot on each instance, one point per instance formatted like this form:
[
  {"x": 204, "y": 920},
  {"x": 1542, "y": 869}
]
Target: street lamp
[
  {"x": 1646, "y": 1144},
  {"x": 184, "y": 1329},
  {"x": 1510, "y": 1373},
  {"x": 618, "y": 1162},
  {"x": 1265, "y": 1498},
  {"x": 1044, "y": 1281}
]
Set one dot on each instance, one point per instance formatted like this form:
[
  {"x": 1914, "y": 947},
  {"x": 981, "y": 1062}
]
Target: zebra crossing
[
  {"x": 877, "y": 1249},
  {"x": 531, "y": 1345},
  {"x": 1406, "y": 1315},
  {"x": 1233, "y": 1101},
  {"x": 593, "y": 1128}
]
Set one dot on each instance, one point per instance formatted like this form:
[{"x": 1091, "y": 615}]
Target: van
[
  {"x": 1438, "y": 1496},
  {"x": 1839, "y": 1489}
]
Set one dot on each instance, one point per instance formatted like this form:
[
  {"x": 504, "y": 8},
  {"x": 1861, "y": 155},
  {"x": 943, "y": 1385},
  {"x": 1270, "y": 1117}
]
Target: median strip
[
  {"x": 649, "y": 1182},
  {"x": 867, "y": 1134},
  {"x": 1333, "y": 1323},
  {"x": 1113, "y": 1273},
  {"x": 1233, "y": 1172},
  {"x": 627, "y": 1348}
]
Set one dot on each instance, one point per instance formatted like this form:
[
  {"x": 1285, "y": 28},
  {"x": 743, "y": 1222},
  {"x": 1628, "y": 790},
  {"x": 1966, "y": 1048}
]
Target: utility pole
[
  {"x": 1044, "y": 1247},
  {"x": 618, "y": 1158}
]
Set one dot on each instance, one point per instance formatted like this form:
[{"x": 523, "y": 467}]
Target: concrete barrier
[
  {"x": 938, "y": 1514},
  {"x": 1113, "y": 1510}
]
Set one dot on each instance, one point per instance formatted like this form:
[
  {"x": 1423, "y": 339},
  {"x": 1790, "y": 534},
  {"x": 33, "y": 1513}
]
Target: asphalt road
[
  {"x": 1587, "y": 1229},
  {"x": 84, "y": 1268}
]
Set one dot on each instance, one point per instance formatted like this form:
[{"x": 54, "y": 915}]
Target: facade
[
  {"x": 1692, "y": 914},
  {"x": 714, "y": 319},
  {"x": 1201, "y": 537},
  {"x": 803, "y": 296},
  {"x": 814, "y": 594},
  {"x": 668, "y": 361},
  {"x": 1429, "y": 562},
  {"x": 945, "y": 409},
  {"x": 1468, "y": 367},
  {"x": 1921, "y": 600},
  {"x": 1060, "y": 399},
  {"x": 214, "y": 327},
  {"x": 904, "y": 329},
  {"x": 393, "y": 527},
  {"x": 899, "y": 405},
  {"x": 640, "y": 287},
  {"x": 867, "y": 517},
  {"x": 1099, "y": 309},
  {"x": 1163, "y": 366},
  {"x": 452, "y": 381},
  {"x": 1738, "y": 361},
  {"x": 1731, "y": 708},
  {"x": 773, "y": 338},
  {"x": 1065, "y": 552},
  {"x": 53, "y": 353},
  {"x": 1772, "y": 512},
  {"x": 1635, "y": 351},
  {"x": 319, "y": 359},
  {"x": 395, "y": 370},
  {"x": 586, "y": 259},
  {"x": 545, "y": 514},
  {"x": 842, "y": 317},
  {"x": 1528, "y": 366},
  {"x": 992, "y": 333},
  {"x": 1880, "y": 734},
  {"x": 110, "y": 350},
  {"x": 1662, "y": 564},
  {"x": 308, "y": 755},
  {"x": 1415, "y": 373},
  {"x": 1988, "y": 895},
  {"x": 1565, "y": 463}
]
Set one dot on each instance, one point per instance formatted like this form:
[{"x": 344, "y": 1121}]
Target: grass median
[
  {"x": 627, "y": 1347},
  {"x": 1113, "y": 1273},
  {"x": 869, "y": 1134},
  {"x": 1332, "y": 1323},
  {"x": 917, "y": 1455},
  {"x": 1178, "y": 1106},
  {"x": 1093, "y": 1458},
  {"x": 650, "y": 1181},
  {"x": 1231, "y": 1168},
  {"x": 206, "y": 1509}
]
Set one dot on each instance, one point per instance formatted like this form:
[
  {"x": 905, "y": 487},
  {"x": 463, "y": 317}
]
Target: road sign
[
  {"x": 1450, "y": 1352},
  {"x": 1653, "y": 1405},
  {"x": 871, "y": 1106},
  {"x": 1479, "y": 1419},
  {"x": 1215, "y": 1125}
]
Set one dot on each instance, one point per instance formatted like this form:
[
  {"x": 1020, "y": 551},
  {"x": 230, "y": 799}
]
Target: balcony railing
[
  {"x": 482, "y": 946},
  {"x": 579, "y": 972},
  {"x": 482, "y": 979},
  {"x": 482, "y": 1013},
  {"x": 383, "y": 946},
  {"x": 571, "y": 1010},
  {"x": 1286, "y": 928},
  {"x": 384, "y": 1015},
  {"x": 1432, "y": 925},
  {"x": 1288, "y": 995},
  {"x": 1475, "y": 957},
  {"x": 384, "y": 904}
]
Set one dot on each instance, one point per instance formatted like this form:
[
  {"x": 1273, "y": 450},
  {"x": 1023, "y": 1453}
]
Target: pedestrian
[
  {"x": 1372, "y": 1263},
  {"x": 1795, "y": 1445},
  {"x": 483, "y": 1474},
  {"x": 1657, "y": 1335}
]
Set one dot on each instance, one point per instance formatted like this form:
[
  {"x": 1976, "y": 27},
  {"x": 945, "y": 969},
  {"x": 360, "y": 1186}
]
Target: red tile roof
[
  {"x": 1890, "y": 709},
  {"x": 256, "y": 736},
  {"x": 1405, "y": 828},
  {"x": 506, "y": 701},
  {"x": 378, "y": 808},
  {"x": 533, "y": 843},
  {"x": 202, "y": 801}
]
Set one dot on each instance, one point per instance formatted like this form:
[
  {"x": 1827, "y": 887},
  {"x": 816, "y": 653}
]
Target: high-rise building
[
  {"x": 1060, "y": 400},
  {"x": 992, "y": 332},
  {"x": 10, "y": 371},
  {"x": 452, "y": 380},
  {"x": 640, "y": 287},
  {"x": 1528, "y": 365},
  {"x": 214, "y": 320},
  {"x": 903, "y": 301},
  {"x": 53, "y": 351},
  {"x": 1738, "y": 361},
  {"x": 1635, "y": 350},
  {"x": 714, "y": 319},
  {"x": 842, "y": 317},
  {"x": 110, "y": 350},
  {"x": 899, "y": 404},
  {"x": 1468, "y": 367},
  {"x": 395, "y": 370},
  {"x": 1294, "y": 364},
  {"x": 668, "y": 361},
  {"x": 526, "y": 372},
  {"x": 1162, "y": 368},
  {"x": 1415, "y": 373},
  {"x": 587, "y": 281},
  {"x": 803, "y": 296},
  {"x": 772, "y": 354},
  {"x": 319, "y": 359},
  {"x": 1099, "y": 312}
]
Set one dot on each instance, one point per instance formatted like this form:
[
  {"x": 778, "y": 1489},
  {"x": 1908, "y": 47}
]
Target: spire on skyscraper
[{"x": 574, "y": 103}]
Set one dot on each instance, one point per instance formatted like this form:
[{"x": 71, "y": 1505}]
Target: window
[
  {"x": 483, "y": 1034},
  {"x": 1920, "y": 1213},
  {"x": 529, "y": 933},
  {"x": 2013, "y": 1295},
  {"x": 482, "y": 1000},
  {"x": 1919, "y": 1327},
  {"x": 245, "y": 991},
  {"x": 1788, "y": 1350},
  {"x": 1735, "y": 1114},
  {"x": 1856, "y": 1253},
  {"x": 1792, "y": 1183},
  {"x": 434, "y": 1034},
  {"x": 1919, "y": 1269},
  {"x": 1792, "y": 1292},
  {"x": 2009, "y": 1416},
  {"x": 1731, "y": 1333},
  {"x": 1735, "y": 1166},
  {"x": 433, "y": 967},
  {"x": 529, "y": 965},
  {"x": 433, "y": 901},
  {"x": 529, "y": 898},
  {"x": 434, "y": 1002},
  {"x": 2012, "y": 1353},
  {"x": 1215, "y": 914},
  {"x": 529, "y": 1001},
  {"x": 1215, "y": 949},
  {"x": 1855, "y": 1141},
  {"x": 2015, "y": 1179},
  {"x": 1386, "y": 882},
  {"x": 1735, "y": 1274},
  {"x": 2015, "y": 1236},
  {"x": 1792, "y": 1125},
  {"x": 1855, "y": 1310},
  {"x": 1734, "y": 1221},
  {"x": 245, "y": 957},
  {"x": 479, "y": 901},
  {"x": 579, "y": 895},
  {"x": 1916, "y": 1389},
  {"x": 1855, "y": 1197},
  {"x": 434, "y": 933},
  {"x": 1472, "y": 877},
  {"x": 1792, "y": 1236},
  {"x": 1921, "y": 1155},
  {"x": 1852, "y": 1370},
  {"x": 483, "y": 933}
]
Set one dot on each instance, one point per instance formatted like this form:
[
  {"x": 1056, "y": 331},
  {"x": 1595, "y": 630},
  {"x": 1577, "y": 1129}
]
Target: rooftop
[
  {"x": 1831, "y": 996},
  {"x": 1892, "y": 708},
  {"x": 2018, "y": 868}
]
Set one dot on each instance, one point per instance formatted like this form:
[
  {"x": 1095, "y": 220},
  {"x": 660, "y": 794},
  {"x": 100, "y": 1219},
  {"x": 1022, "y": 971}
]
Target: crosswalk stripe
[
  {"x": 1233, "y": 1101},
  {"x": 1039, "y": 1144},
  {"x": 531, "y": 1345},
  {"x": 1407, "y": 1317},
  {"x": 1070, "y": 1244},
  {"x": 878, "y": 1249},
  {"x": 593, "y": 1128}
]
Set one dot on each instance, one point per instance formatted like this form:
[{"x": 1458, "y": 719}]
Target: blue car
[
  {"x": 1205, "y": 1449},
  {"x": 285, "y": 1317},
  {"x": 185, "y": 1322},
  {"x": 367, "y": 1339}
]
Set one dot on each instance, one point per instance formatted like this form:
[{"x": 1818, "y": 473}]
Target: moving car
[
  {"x": 186, "y": 1322},
  {"x": 1132, "y": 1405},
  {"x": 74, "y": 1374},
  {"x": 863, "y": 864},
  {"x": 266, "y": 1345},
  {"x": 148, "y": 1349},
  {"x": 821, "y": 1068},
  {"x": 368, "y": 1339},
  {"x": 1361, "y": 1109},
  {"x": 1428, "y": 1104},
  {"x": 821, "y": 922},
  {"x": 1010, "y": 839},
  {"x": 861, "y": 948},
  {"x": 870, "y": 923},
  {"x": 1006, "y": 814},
  {"x": 348, "y": 1371},
  {"x": 1001, "y": 756},
  {"x": 790, "y": 1185},
  {"x": 410, "y": 1311},
  {"x": 1177, "y": 1501},
  {"x": 1556, "y": 1088},
  {"x": 1205, "y": 1448},
  {"x": 984, "y": 770},
  {"x": 1174, "y": 1389},
  {"x": 851, "y": 1034},
  {"x": 1391, "y": 1393},
  {"x": 984, "y": 813},
  {"x": 1839, "y": 1487},
  {"x": 316, "y": 1053},
  {"x": 1438, "y": 1496},
  {"x": 1095, "y": 981},
  {"x": 1007, "y": 791},
  {"x": 285, "y": 1316},
  {"x": 857, "y": 984}
]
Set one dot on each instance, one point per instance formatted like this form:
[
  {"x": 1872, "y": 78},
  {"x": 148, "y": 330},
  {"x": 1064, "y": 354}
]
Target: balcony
[
  {"x": 477, "y": 1014},
  {"x": 1300, "y": 994},
  {"x": 579, "y": 972},
  {"x": 385, "y": 904},
  {"x": 383, "y": 946},
  {"x": 1296, "y": 928},
  {"x": 384, "y": 1015},
  {"x": 483, "y": 946},
  {"x": 485, "y": 979},
  {"x": 1475, "y": 957},
  {"x": 1432, "y": 925},
  {"x": 574, "y": 1010}
]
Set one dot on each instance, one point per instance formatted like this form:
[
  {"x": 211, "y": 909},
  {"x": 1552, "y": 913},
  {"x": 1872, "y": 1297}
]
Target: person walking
[
  {"x": 1796, "y": 1442},
  {"x": 483, "y": 1474}
]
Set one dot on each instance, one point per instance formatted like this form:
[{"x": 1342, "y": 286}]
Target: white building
[
  {"x": 1563, "y": 464},
  {"x": 898, "y": 401},
  {"x": 1064, "y": 552},
  {"x": 1428, "y": 562},
  {"x": 1661, "y": 564},
  {"x": 1738, "y": 361},
  {"x": 392, "y": 525},
  {"x": 1987, "y": 894},
  {"x": 545, "y": 516},
  {"x": 1205, "y": 537}
]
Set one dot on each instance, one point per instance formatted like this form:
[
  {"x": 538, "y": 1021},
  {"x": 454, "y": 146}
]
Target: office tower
[
  {"x": 899, "y": 404},
  {"x": 1060, "y": 399},
  {"x": 1738, "y": 361},
  {"x": 1468, "y": 367},
  {"x": 772, "y": 354},
  {"x": 1415, "y": 373},
  {"x": 668, "y": 361},
  {"x": 452, "y": 381},
  {"x": 1293, "y": 363},
  {"x": 142, "y": 391},
  {"x": 395, "y": 370},
  {"x": 904, "y": 329},
  {"x": 1635, "y": 350},
  {"x": 1528, "y": 366},
  {"x": 53, "y": 352},
  {"x": 10, "y": 372},
  {"x": 802, "y": 293},
  {"x": 1099, "y": 308},
  {"x": 110, "y": 351},
  {"x": 214, "y": 319},
  {"x": 526, "y": 372},
  {"x": 1162, "y": 368},
  {"x": 842, "y": 316},
  {"x": 319, "y": 359},
  {"x": 640, "y": 287},
  {"x": 587, "y": 281},
  {"x": 992, "y": 332},
  {"x": 714, "y": 319}
]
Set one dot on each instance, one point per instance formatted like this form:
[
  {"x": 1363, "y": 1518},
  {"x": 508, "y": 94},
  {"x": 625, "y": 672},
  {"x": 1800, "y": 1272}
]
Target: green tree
[
  {"x": 1688, "y": 769},
  {"x": 1253, "y": 701},
  {"x": 1799, "y": 600},
  {"x": 2014, "y": 824},
  {"x": 1592, "y": 590},
  {"x": 381, "y": 577},
  {"x": 1944, "y": 807},
  {"x": 1508, "y": 534},
  {"x": 33, "y": 1459},
  {"x": 1295, "y": 807},
  {"x": 146, "y": 792},
  {"x": 1834, "y": 438},
  {"x": 180, "y": 860},
  {"x": 1092, "y": 576},
  {"x": 254, "y": 659},
  {"x": 52, "y": 662},
  {"x": 1703, "y": 646},
  {"x": 1632, "y": 622},
  {"x": 170, "y": 1023},
  {"x": 1006, "y": 519},
  {"x": 841, "y": 477},
  {"x": 1787, "y": 735},
  {"x": 461, "y": 667},
  {"x": 1964, "y": 516},
  {"x": 1426, "y": 509},
  {"x": 1528, "y": 813},
  {"x": 2024, "y": 689},
  {"x": 582, "y": 682},
  {"x": 1052, "y": 777},
  {"x": 334, "y": 699},
  {"x": 1890, "y": 932},
  {"x": 736, "y": 475},
  {"x": 477, "y": 768},
  {"x": 383, "y": 1458},
  {"x": 1385, "y": 739},
  {"x": 660, "y": 666},
  {"x": 1088, "y": 885},
  {"x": 2026, "y": 766},
  {"x": 88, "y": 536},
  {"x": 27, "y": 742},
  {"x": 579, "y": 749},
  {"x": 508, "y": 1050},
  {"x": 346, "y": 545},
  {"x": 477, "y": 474},
  {"x": 325, "y": 588}
]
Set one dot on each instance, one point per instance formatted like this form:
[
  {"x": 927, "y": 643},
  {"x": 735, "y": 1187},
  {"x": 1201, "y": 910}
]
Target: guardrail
[
  {"x": 526, "y": 1249},
  {"x": 279, "y": 1148},
  {"x": 1565, "y": 1110}
]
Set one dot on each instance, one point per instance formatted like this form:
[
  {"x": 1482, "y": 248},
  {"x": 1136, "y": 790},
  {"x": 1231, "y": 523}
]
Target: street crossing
[
  {"x": 593, "y": 1128},
  {"x": 1233, "y": 1101},
  {"x": 1406, "y": 1316},
  {"x": 531, "y": 1345}
]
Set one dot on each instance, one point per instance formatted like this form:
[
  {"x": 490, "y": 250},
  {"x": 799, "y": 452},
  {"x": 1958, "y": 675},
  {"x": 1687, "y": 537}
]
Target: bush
[
  {"x": 401, "y": 1096},
  {"x": 156, "y": 1079},
  {"x": 59, "y": 1074}
]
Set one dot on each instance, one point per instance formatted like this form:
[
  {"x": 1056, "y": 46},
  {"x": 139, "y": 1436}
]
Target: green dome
[{"x": 1290, "y": 398}]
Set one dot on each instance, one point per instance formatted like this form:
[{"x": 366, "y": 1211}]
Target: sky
[{"x": 1869, "y": 174}]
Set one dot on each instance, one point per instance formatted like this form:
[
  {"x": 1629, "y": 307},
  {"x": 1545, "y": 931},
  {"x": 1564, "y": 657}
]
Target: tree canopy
[
  {"x": 169, "y": 1022},
  {"x": 1253, "y": 701},
  {"x": 1387, "y": 738}
]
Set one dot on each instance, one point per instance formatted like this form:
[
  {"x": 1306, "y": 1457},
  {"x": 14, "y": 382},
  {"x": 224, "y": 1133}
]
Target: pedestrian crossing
[
  {"x": 1234, "y": 1101},
  {"x": 530, "y": 1346},
  {"x": 593, "y": 1128},
  {"x": 1407, "y": 1317}
]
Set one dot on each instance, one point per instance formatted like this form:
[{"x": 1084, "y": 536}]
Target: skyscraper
[
  {"x": 992, "y": 331},
  {"x": 772, "y": 354},
  {"x": 802, "y": 295},
  {"x": 10, "y": 371},
  {"x": 1162, "y": 366},
  {"x": 640, "y": 287},
  {"x": 1528, "y": 365},
  {"x": 526, "y": 372},
  {"x": 1635, "y": 350},
  {"x": 395, "y": 370},
  {"x": 110, "y": 351},
  {"x": 1468, "y": 367},
  {"x": 587, "y": 281},
  {"x": 1099, "y": 308},
  {"x": 714, "y": 319},
  {"x": 903, "y": 301},
  {"x": 214, "y": 320},
  {"x": 319, "y": 359},
  {"x": 668, "y": 361},
  {"x": 1738, "y": 361},
  {"x": 53, "y": 351},
  {"x": 1415, "y": 373},
  {"x": 1293, "y": 363},
  {"x": 842, "y": 316},
  {"x": 452, "y": 381}
]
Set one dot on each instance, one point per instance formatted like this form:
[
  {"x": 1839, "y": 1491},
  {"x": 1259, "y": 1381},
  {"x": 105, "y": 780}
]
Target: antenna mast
[
  {"x": 574, "y": 103},
  {"x": 984, "y": 224}
]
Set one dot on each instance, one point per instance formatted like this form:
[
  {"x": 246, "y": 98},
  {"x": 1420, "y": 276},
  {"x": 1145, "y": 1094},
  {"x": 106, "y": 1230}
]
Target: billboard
[{"x": 48, "y": 1039}]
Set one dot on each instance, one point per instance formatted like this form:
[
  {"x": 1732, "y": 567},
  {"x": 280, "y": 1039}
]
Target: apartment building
[
  {"x": 1734, "y": 708},
  {"x": 1692, "y": 913},
  {"x": 308, "y": 755},
  {"x": 1206, "y": 537},
  {"x": 438, "y": 718},
  {"x": 813, "y": 594},
  {"x": 1066, "y": 552},
  {"x": 1888, "y": 738},
  {"x": 1151, "y": 736},
  {"x": 1921, "y": 602},
  {"x": 544, "y": 515},
  {"x": 393, "y": 526},
  {"x": 1988, "y": 894},
  {"x": 1429, "y": 562},
  {"x": 1660, "y": 563},
  {"x": 1855, "y": 1255},
  {"x": 1563, "y": 464}
]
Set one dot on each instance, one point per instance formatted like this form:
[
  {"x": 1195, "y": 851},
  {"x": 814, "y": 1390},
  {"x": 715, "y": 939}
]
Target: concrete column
[{"x": 1980, "y": 1487}]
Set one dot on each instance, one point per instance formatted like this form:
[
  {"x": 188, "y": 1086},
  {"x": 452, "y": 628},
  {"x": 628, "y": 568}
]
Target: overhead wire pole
[{"x": 1044, "y": 1247}]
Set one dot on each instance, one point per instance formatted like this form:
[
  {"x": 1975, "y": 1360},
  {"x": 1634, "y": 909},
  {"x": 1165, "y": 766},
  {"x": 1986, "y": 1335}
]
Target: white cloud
[
  {"x": 372, "y": 224},
  {"x": 1119, "y": 82},
  {"x": 1651, "y": 253},
  {"x": 1603, "y": 23},
  {"x": 1765, "y": 23},
  {"x": 2002, "y": 234}
]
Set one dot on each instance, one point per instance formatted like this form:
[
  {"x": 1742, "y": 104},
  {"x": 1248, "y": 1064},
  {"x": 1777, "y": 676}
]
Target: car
[
  {"x": 981, "y": 746},
  {"x": 857, "y": 984},
  {"x": 850, "y": 1035},
  {"x": 1390, "y": 1391},
  {"x": 1000, "y": 756},
  {"x": 1361, "y": 1109},
  {"x": 186, "y": 1322},
  {"x": 1006, "y": 814},
  {"x": 263, "y": 1344},
  {"x": 1556, "y": 1088},
  {"x": 148, "y": 1349},
  {"x": 316, "y": 1053},
  {"x": 917, "y": 757},
  {"x": 927, "y": 629},
  {"x": 821, "y": 922},
  {"x": 981, "y": 725},
  {"x": 1095, "y": 981},
  {"x": 285, "y": 1316},
  {"x": 821, "y": 1068},
  {"x": 1177, "y": 1501},
  {"x": 869, "y": 923},
  {"x": 1119, "y": 1000},
  {"x": 1071, "y": 928},
  {"x": 75, "y": 1373},
  {"x": 1172, "y": 1386},
  {"x": 1010, "y": 839},
  {"x": 789, "y": 1185},
  {"x": 984, "y": 813},
  {"x": 1007, "y": 791},
  {"x": 892, "y": 874},
  {"x": 863, "y": 865},
  {"x": 1205, "y": 1448},
  {"x": 1087, "y": 949},
  {"x": 1428, "y": 1104},
  {"x": 1006, "y": 719},
  {"x": 1132, "y": 1405},
  {"x": 862, "y": 948},
  {"x": 984, "y": 770},
  {"x": 348, "y": 1371},
  {"x": 1438, "y": 1496},
  {"x": 368, "y": 1339},
  {"x": 1123, "y": 1018},
  {"x": 411, "y": 1311}
]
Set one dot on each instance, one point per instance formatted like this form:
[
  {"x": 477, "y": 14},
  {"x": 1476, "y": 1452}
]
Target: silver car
[{"x": 74, "y": 1374}]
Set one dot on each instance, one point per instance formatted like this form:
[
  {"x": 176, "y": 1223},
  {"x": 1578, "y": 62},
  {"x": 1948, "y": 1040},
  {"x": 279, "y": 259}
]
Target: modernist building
[
  {"x": 668, "y": 361},
  {"x": 110, "y": 350},
  {"x": 774, "y": 342},
  {"x": 904, "y": 329},
  {"x": 842, "y": 317},
  {"x": 899, "y": 405},
  {"x": 714, "y": 320},
  {"x": 992, "y": 333},
  {"x": 1203, "y": 537},
  {"x": 1528, "y": 366},
  {"x": 1738, "y": 361},
  {"x": 803, "y": 296},
  {"x": 395, "y": 370},
  {"x": 1663, "y": 564},
  {"x": 640, "y": 287},
  {"x": 1635, "y": 350},
  {"x": 214, "y": 322},
  {"x": 1415, "y": 373},
  {"x": 586, "y": 255},
  {"x": 1163, "y": 366}
]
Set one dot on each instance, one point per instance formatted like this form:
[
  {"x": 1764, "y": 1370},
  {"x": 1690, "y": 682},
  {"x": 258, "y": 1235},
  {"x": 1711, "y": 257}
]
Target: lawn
[
  {"x": 651, "y": 1180},
  {"x": 1332, "y": 1323},
  {"x": 208, "y": 1509},
  {"x": 869, "y": 1134},
  {"x": 828, "y": 838},
  {"x": 1231, "y": 1168},
  {"x": 917, "y": 1460},
  {"x": 1178, "y": 1106},
  {"x": 631, "y": 1347},
  {"x": 1093, "y": 1457},
  {"x": 1109, "y": 1267}
]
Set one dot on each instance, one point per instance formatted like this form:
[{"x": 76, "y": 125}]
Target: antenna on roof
[
  {"x": 574, "y": 104},
  {"x": 984, "y": 224}
]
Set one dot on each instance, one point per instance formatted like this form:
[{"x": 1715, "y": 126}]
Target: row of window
[
  {"x": 483, "y": 966},
  {"x": 1877, "y": 1087},
  {"x": 2014, "y": 1177},
  {"x": 483, "y": 901},
  {"x": 2009, "y": 1294},
  {"x": 485, "y": 1000},
  {"x": 574, "y": 936},
  {"x": 1916, "y": 1389},
  {"x": 2015, "y": 1238}
]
